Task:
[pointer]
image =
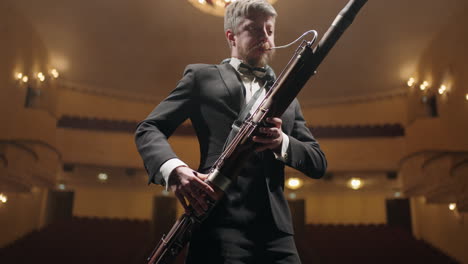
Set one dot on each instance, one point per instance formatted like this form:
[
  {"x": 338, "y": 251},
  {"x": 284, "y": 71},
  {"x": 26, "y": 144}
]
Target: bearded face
[{"x": 254, "y": 39}]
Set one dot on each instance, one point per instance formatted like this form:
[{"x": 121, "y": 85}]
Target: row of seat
[{"x": 93, "y": 240}]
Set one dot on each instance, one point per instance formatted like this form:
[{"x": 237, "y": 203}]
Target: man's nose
[{"x": 264, "y": 33}]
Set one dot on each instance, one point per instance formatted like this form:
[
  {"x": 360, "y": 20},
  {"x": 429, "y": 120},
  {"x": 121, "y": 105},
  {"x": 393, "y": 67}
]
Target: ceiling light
[
  {"x": 215, "y": 7},
  {"x": 355, "y": 183},
  {"x": 452, "y": 206},
  {"x": 103, "y": 177},
  {"x": 294, "y": 183}
]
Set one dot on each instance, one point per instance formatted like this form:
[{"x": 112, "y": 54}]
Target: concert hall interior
[{"x": 388, "y": 105}]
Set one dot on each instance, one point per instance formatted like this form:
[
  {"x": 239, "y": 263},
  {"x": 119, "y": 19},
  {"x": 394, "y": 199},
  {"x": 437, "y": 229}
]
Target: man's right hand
[{"x": 188, "y": 185}]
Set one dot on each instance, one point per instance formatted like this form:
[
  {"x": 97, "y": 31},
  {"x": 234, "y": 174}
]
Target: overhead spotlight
[
  {"x": 452, "y": 206},
  {"x": 355, "y": 183},
  {"x": 411, "y": 82},
  {"x": 294, "y": 183}
]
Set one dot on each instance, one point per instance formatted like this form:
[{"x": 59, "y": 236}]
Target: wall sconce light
[
  {"x": 411, "y": 82},
  {"x": 452, "y": 206},
  {"x": 41, "y": 77},
  {"x": 21, "y": 78},
  {"x": 466, "y": 96},
  {"x": 33, "y": 90},
  {"x": 423, "y": 86},
  {"x": 54, "y": 73},
  {"x": 3, "y": 198},
  {"x": 442, "y": 89}
]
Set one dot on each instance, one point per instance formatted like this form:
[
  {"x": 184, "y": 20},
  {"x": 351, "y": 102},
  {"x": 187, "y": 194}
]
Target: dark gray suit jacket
[{"x": 212, "y": 97}]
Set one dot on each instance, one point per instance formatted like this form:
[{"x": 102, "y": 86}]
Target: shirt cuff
[
  {"x": 166, "y": 169},
  {"x": 284, "y": 149}
]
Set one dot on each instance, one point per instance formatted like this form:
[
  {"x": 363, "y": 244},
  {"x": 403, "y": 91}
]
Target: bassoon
[{"x": 287, "y": 86}]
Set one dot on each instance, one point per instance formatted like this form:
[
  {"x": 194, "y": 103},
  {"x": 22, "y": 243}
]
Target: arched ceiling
[{"x": 140, "y": 47}]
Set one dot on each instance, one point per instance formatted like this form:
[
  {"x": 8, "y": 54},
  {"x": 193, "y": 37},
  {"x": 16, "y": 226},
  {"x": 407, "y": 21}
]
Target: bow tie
[{"x": 257, "y": 72}]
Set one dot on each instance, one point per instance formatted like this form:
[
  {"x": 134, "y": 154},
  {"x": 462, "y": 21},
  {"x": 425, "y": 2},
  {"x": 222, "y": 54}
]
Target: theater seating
[{"x": 119, "y": 241}]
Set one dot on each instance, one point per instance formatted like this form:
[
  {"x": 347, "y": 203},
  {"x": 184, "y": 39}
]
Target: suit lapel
[{"x": 233, "y": 85}]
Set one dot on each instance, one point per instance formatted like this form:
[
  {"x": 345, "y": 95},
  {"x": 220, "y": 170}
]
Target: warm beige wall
[
  {"x": 390, "y": 110},
  {"x": 23, "y": 213},
  {"x": 79, "y": 103},
  {"x": 112, "y": 202},
  {"x": 444, "y": 229},
  {"x": 115, "y": 149},
  {"x": 22, "y": 50},
  {"x": 443, "y": 62},
  {"x": 363, "y": 154},
  {"x": 356, "y": 207},
  {"x": 321, "y": 208}
]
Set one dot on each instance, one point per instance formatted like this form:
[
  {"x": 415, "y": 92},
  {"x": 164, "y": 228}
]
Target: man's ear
[{"x": 230, "y": 37}]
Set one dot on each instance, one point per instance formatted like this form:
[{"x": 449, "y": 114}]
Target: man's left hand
[{"x": 270, "y": 137}]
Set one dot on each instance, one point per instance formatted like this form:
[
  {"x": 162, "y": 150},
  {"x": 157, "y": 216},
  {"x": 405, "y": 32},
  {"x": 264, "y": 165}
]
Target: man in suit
[{"x": 252, "y": 222}]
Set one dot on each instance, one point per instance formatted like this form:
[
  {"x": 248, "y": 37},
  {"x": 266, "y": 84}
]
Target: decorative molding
[
  {"x": 435, "y": 152},
  {"x": 359, "y": 131},
  {"x": 358, "y": 99},
  {"x": 96, "y": 124},
  {"x": 459, "y": 164},
  {"x": 320, "y": 102},
  {"x": 97, "y": 91},
  {"x": 22, "y": 147},
  {"x": 24, "y": 142},
  {"x": 364, "y": 131}
]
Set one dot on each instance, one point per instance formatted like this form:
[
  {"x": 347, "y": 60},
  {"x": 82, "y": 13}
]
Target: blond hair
[{"x": 240, "y": 9}]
